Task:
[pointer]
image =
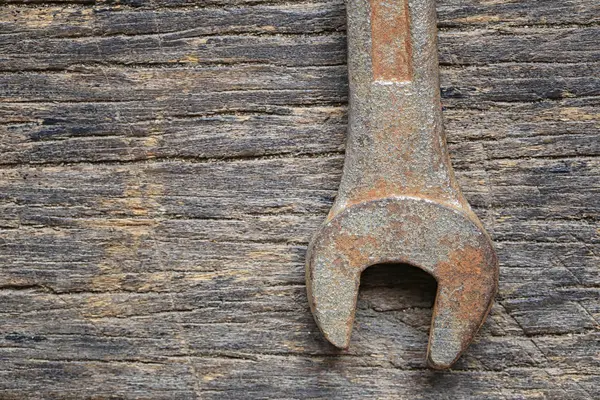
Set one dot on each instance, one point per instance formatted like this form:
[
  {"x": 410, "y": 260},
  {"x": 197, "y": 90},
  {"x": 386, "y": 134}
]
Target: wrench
[{"x": 398, "y": 200}]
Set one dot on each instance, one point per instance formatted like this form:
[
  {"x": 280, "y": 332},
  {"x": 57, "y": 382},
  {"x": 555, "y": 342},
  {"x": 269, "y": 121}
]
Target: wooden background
[{"x": 163, "y": 164}]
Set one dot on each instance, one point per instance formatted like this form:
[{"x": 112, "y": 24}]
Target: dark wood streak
[{"x": 164, "y": 163}]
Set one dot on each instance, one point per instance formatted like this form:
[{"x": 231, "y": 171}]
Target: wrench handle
[{"x": 396, "y": 145}]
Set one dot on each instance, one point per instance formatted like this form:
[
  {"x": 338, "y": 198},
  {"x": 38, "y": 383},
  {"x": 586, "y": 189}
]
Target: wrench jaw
[
  {"x": 445, "y": 241},
  {"x": 333, "y": 301},
  {"x": 460, "y": 310}
]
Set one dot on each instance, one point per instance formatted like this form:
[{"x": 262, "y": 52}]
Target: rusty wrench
[{"x": 398, "y": 200}]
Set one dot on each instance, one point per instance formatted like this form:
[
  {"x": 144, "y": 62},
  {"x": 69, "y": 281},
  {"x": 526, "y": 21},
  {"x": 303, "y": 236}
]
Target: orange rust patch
[
  {"x": 391, "y": 42},
  {"x": 463, "y": 272},
  {"x": 379, "y": 190},
  {"x": 354, "y": 248},
  {"x": 383, "y": 188}
]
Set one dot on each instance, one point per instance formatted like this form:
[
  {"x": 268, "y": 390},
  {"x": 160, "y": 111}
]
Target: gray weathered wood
[{"x": 164, "y": 163}]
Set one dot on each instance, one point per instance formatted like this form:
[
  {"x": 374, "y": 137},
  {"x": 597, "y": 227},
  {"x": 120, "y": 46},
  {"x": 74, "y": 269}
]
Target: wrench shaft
[{"x": 396, "y": 144}]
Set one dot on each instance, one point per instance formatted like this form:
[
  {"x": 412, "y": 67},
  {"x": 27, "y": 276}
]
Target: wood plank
[
  {"x": 74, "y": 16},
  {"x": 473, "y": 47},
  {"x": 72, "y": 132},
  {"x": 164, "y": 163}
]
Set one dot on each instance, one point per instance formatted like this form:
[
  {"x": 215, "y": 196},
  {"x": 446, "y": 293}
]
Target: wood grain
[{"x": 164, "y": 163}]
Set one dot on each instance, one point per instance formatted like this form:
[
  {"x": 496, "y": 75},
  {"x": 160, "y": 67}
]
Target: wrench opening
[{"x": 404, "y": 290}]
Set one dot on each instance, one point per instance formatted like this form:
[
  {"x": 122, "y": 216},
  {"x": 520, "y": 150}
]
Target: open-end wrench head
[{"x": 445, "y": 241}]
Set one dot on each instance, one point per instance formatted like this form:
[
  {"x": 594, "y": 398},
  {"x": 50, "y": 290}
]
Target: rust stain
[
  {"x": 356, "y": 249},
  {"x": 383, "y": 188},
  {"x": 391, "y": 42},
  {"x": 380, "y": 189},
  {"x": 464, "y": 274}
]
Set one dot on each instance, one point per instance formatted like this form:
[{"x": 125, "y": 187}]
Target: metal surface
[{"x": 398, "y": 201}]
